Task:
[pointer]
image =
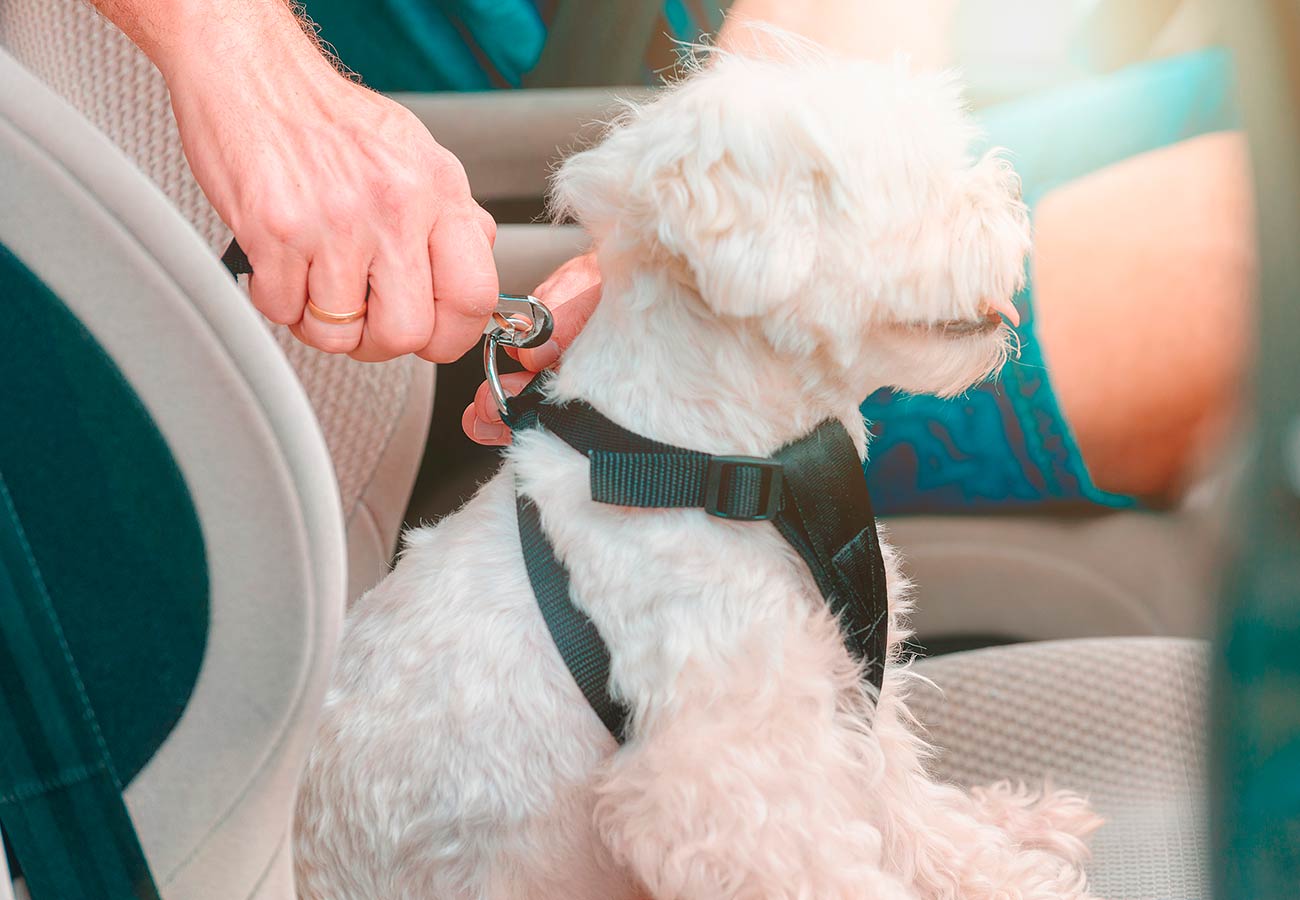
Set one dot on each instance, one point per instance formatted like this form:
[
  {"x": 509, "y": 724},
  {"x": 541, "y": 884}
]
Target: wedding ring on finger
[{"x": 332, "y": 318}]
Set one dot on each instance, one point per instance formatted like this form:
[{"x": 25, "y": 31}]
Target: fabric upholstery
[
  {"x": 1048, "y": 578},
  {"x": 1119, "y": 720},
  {"x": 213, "y": 804},
  {"x": 88, "y": 61}
]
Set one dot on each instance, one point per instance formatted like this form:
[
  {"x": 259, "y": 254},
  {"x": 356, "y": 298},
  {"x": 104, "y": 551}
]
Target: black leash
[{"x": 813, "y": 490}]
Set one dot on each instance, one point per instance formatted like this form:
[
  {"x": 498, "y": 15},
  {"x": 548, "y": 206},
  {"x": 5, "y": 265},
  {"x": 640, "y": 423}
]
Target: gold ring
[{"x": 337, "y": 318}]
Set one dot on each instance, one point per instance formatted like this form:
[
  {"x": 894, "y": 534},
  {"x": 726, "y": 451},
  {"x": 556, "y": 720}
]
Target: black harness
[{"x": 813, "y": 490}]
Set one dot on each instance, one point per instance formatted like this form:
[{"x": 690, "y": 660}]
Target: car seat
[{"x": 180, "y": 506}]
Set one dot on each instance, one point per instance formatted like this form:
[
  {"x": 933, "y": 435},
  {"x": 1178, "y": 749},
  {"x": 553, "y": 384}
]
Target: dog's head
[{"x": 833, "y": 205}]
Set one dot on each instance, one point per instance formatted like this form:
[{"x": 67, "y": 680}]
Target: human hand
[
  {"x": 571, "y": 292},
  {"x": 336, "y": 193}
]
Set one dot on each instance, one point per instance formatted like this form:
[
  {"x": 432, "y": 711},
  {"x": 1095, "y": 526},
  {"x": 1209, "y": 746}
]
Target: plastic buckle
[{"x": 722, "y": 472}]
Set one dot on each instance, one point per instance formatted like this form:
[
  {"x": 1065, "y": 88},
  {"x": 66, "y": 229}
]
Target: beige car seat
[
  {"x": 374, "y": 417},
  {"x": 212, "y": 806},
  {"x": 1122, "y": 720}
]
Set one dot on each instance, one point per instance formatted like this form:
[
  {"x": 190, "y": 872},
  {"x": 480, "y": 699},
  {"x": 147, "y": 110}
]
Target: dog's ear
[{"x": 711, "y": 179}]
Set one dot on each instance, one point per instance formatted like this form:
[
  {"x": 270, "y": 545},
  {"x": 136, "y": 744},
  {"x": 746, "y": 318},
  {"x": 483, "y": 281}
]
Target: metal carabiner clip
[{"x": 521, "y": 322}]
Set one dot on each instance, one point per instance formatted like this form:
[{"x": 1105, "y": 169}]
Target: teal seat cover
[{"x": 109, "y": 534}]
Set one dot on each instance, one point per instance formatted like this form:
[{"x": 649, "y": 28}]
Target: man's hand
[
  {"x": 571, "y": 292},
  {"x": 336, "y": 193}
]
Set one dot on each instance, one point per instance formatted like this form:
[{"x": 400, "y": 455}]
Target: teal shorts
[{"x": 1005, "y": 444}]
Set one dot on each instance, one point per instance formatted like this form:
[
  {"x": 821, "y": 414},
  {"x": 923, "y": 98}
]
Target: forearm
[
  {"x": 209, "y": 35},
  {"x": 872, "y": 29}
]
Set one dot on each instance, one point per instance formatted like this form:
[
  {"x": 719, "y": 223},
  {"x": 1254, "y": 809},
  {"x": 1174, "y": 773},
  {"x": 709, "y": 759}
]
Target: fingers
[
  {"x": 278, "y": 287},
  {"x": 482, "y": 420},
  {"x": 464, "y": 286},
  {"x": 485, "y": 433},
  {"x": 399, "y": 319},
  {"x": 568, "y": 293},
  {"x": 570, "y": 317},
  {"x": 336, "y": 283},
  {"x": 569, "y": 280}
]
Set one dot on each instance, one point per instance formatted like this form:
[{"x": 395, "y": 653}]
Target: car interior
[{"x": 1070, "y": 643}]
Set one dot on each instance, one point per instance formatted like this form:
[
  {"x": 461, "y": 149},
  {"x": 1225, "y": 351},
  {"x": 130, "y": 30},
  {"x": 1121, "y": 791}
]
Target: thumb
[{"x": 570, "y": 317}]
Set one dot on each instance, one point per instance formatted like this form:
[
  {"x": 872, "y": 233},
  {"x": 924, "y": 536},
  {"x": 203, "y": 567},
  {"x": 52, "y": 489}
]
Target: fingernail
[
  {"x": 489, "y": 431},
  {"x": 543, "y": 357}
]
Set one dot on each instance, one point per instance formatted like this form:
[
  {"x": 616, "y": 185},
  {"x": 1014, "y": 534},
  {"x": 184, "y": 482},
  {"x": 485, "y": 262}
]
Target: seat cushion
[{"x": 1121, "y": 720}]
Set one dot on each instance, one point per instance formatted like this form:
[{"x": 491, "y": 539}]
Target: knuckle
[
  {"x": 281, "y": 222},
  {"x": 448, "y": 174},
  {"x": 403, "y": 183},
  {"x": 488, "y": 224}
]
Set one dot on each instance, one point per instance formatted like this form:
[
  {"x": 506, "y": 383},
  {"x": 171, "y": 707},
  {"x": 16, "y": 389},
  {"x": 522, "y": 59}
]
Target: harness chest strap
[{"x": 813, "y": 491}]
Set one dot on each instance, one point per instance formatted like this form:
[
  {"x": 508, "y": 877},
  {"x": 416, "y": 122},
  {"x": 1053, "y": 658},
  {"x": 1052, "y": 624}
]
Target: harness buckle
[{"x": 726, "y": 498}]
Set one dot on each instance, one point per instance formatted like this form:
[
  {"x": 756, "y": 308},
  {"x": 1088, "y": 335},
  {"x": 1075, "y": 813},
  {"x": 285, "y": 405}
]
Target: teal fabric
[
  {"x": 433, "y": 45},
  {"x": 61, "y": 804},
  {"x": 114, "y": 542},
  {"x": 1006, "y": 444},
  {"x": 471, "y": 45}
]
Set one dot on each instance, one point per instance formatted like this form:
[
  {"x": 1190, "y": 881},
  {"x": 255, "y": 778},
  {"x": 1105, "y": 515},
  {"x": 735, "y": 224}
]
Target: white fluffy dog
[{"x": 777, "y": 240}]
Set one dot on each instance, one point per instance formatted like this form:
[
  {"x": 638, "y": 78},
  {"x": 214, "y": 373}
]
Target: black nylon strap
[
  {"x": 575, "y": 636},
  {"x": 814, "y": 490},
  {"x": 236, "y": 260},
  {"x": 827, "y": 518}
]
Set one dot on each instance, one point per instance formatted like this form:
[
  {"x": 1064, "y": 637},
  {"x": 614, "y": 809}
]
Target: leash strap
[
  {"x": 60, "y": 798},
  {"x": 813, "y": 490}
]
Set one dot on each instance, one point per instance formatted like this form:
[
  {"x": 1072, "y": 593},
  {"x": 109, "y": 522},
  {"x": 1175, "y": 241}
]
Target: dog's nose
[{"x": 1003, "y": 307}]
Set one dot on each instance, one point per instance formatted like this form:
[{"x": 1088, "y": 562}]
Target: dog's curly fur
[{"x": 777, "y": 239}]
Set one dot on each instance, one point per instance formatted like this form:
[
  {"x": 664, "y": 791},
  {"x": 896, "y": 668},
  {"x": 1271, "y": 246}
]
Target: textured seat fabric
[
  {"x": 361, "y": 407},
  {"x": 1121, "y": 720}
]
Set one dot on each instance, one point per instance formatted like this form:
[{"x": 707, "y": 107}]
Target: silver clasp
[
  {"x": 522, "y": 321},
  {"x": 519, "y": 322}
]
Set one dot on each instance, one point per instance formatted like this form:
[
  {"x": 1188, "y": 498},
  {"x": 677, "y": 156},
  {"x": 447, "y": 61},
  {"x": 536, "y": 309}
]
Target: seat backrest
[{"x": 83, "y": 229}]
